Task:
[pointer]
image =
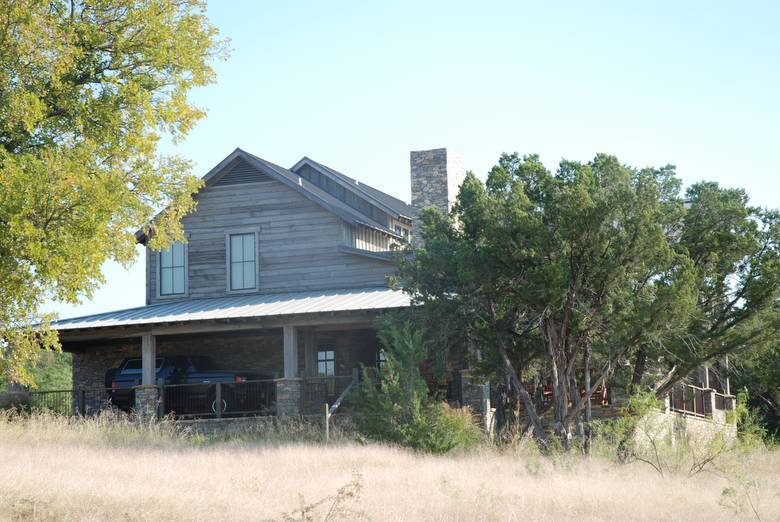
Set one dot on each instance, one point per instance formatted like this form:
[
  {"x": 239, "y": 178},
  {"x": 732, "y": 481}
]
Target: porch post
[
  {"x": 310, "y": 357},
  {"x": 148, "y": 356},
  {"x": 290, "y": 352},
  {"x": 288, "y": 389},
  {"x": 146, "y": 395}
]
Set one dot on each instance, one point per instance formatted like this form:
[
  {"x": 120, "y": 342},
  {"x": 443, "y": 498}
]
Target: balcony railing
[{"x": 697, "y": 401}]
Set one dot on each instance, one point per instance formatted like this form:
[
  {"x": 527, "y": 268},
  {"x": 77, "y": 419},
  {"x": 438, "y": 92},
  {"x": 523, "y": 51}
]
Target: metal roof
[
  {"x": 245, "y": 306},
  {"x": 389, "y": 202}
]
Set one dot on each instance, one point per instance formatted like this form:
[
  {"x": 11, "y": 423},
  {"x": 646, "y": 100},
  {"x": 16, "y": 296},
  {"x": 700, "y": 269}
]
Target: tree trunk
[
  {"x": 528, "y": 403},
  {"x": 588, "y": 408},
  {"x": 639, "y": 367},
  {"x": 559, "y": 383}
]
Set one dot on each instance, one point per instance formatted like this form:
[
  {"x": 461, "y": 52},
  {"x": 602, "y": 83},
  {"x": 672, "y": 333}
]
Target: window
[
  {"x": 243, "y": 268},
  {"x": 326, "y": 362},
  {"x": 380, "y": 359},
  {"x": 172, "y": 270}
]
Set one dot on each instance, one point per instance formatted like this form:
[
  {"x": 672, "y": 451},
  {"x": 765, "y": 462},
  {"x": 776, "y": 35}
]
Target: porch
[
  {"x": 290, "y": 370},
  {"x": 267, "y": 354}
]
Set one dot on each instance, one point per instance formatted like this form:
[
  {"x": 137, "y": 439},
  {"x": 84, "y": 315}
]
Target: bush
[
  {"x": 395, "y": 406},
  {"x": 450, "y": 428}
]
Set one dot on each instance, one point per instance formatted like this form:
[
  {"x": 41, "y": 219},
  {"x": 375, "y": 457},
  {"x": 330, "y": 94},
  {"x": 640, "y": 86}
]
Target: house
[{"x": 282, "y": 275}]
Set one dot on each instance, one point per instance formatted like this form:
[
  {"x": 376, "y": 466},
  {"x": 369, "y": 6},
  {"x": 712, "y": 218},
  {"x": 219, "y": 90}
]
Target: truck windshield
[{"x": 135, "y": 365}]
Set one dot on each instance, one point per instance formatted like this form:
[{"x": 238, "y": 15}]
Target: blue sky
[{"x": 357, "y": 85}]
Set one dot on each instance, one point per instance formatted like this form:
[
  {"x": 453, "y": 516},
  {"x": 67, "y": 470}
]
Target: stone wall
[
  {"x": 91, "y": 364},
  {"x": 260, "y": 353}
]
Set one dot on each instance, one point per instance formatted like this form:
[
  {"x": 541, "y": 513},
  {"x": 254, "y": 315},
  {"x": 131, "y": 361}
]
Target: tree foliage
[
  {"x": 566, "y": 276},
  {"x": 394, "y": 405},
  {"x": 759, "y": 374},
  {"x": 87, "y": 91},
  {"x": 734, "y": 250}
]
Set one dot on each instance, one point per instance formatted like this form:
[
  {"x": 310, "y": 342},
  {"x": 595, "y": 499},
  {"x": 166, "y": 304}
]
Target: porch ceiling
[{"x": 243, "y": 307}]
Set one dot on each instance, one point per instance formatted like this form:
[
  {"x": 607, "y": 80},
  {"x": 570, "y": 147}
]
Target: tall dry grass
[{"x": 119, "y": 469}]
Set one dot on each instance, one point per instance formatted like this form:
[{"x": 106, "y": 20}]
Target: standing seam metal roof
[
  {"x": 245, "y": 306},
  {"x": 398, "y": 206}
]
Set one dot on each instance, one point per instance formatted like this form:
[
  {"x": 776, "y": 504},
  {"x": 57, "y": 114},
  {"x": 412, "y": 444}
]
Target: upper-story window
[
  {"x": 172, "y": 270},
  {"x": 242, "y": 261}
]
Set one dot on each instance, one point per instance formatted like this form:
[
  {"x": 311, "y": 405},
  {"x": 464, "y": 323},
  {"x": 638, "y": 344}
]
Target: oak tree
[{"x": 88, "y": 89}]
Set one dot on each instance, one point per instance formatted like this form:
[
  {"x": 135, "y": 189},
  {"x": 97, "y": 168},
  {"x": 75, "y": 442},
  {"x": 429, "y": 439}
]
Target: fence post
[
  {"x": 160, "y": 398},
  {"x": 218, "y": 401},
  {"x": 82, "y": 401},
  {"x": 327, "y": 422}
]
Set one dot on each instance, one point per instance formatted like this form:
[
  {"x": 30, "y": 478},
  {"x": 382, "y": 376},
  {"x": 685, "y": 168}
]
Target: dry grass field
[{"x": 54, "y": 469}]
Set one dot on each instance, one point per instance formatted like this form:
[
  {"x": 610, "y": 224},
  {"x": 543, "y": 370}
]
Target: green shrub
[
  {"x": 451, "y": 428},
  {"x": 394, "y": 404},
  {"x": 750, "y": 430}
]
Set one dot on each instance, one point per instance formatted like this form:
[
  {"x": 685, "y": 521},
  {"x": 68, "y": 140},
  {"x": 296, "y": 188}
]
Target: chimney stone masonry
[{"x": 437, "y": 175}]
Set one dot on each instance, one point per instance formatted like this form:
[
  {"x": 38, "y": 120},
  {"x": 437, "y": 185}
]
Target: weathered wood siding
[
  {"x": 298, "y": 243},
  {"x": 368, "y": 239}
]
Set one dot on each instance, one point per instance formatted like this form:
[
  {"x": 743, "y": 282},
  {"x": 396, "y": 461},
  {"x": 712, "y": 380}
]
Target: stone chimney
[{"x": 437, "y": 175}]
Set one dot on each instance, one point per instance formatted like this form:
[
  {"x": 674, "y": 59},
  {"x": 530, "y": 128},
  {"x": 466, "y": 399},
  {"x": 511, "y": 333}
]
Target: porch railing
[
  {"x": 316, "y": 391},
  {"x": 78, "y": 401},
  {"x": 218, "y": 399},
  {"x": 697, "y": 401}
]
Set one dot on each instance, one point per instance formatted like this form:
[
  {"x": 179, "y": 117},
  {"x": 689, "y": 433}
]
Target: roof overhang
[{"x": 257, "y": 311}]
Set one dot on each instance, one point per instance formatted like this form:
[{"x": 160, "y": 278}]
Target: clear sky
[{"x": 357, "y": 85}]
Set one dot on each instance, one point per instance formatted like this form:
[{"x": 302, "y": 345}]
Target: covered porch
[{"x": 286, "y": 359}]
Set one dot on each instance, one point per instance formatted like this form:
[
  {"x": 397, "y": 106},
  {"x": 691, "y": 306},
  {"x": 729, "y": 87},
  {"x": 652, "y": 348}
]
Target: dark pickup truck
[{"x": 190, "y": 386}]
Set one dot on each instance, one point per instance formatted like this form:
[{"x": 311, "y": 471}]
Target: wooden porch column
[
  {"x": 290, "y": 352},
  {"x": 148, "y": 357},
  {"x": 310, "y": 355}
]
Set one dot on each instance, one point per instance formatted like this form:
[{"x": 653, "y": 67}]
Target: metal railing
[
  {"x": 316, "y": 391},
  {"x": 698, "y": 401},
  {"x": 55, "y": 401},
  {"x": 218, "y": 399},
  {"x": 724, "y": 402},
  {"x": 78, "y": 401},
  {"x": 690, "y": 399},
  {"x": 543, "y": 394}
]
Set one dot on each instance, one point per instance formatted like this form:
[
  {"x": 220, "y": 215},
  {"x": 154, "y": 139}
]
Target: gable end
[{"x": 241, "y": 172}]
